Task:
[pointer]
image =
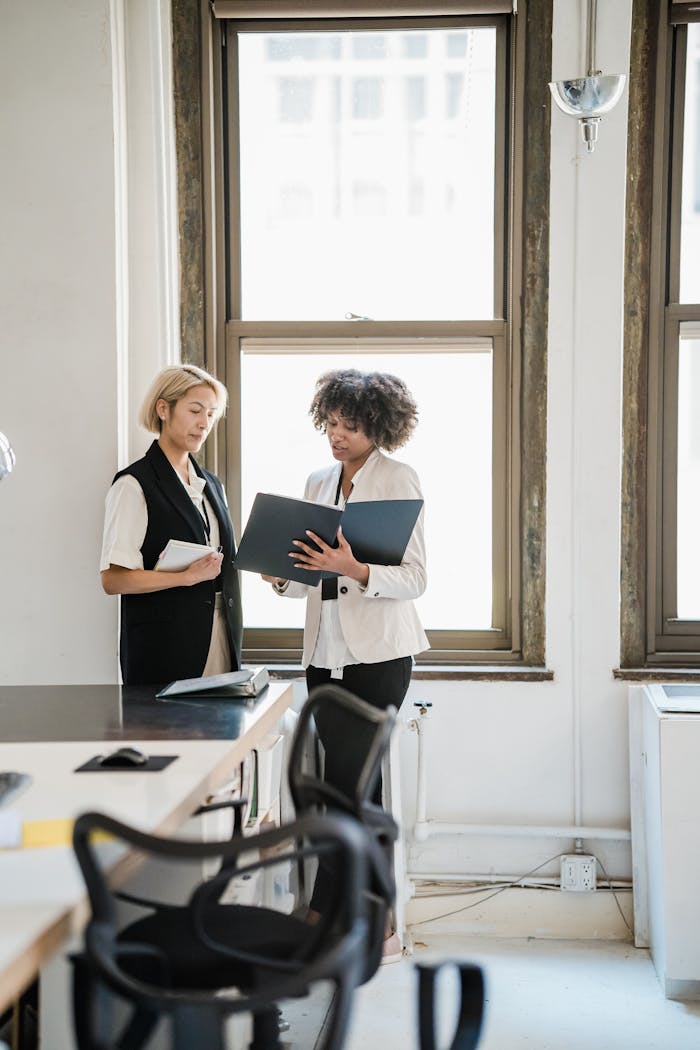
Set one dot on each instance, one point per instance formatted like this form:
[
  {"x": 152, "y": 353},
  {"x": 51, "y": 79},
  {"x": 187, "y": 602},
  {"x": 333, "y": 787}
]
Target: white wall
[
  {"x": 87, "y": 304},
  {"x": 153, "y": 275},
  {"x": 58, "y": 356},
  {"x": 500, "y": 753},
  {"x": 556, "y": 753}
]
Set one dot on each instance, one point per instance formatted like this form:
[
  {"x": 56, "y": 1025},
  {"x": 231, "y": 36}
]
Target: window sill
[
  {"x": 656, "y": 674},
  {"x": 441, "y": 672}
]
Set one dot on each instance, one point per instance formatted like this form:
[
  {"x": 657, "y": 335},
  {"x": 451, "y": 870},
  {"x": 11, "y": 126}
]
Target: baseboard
[{"x": 675, "y": 989}]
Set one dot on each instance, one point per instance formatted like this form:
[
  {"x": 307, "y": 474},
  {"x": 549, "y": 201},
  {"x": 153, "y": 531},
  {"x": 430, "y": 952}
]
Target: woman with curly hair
[{"x": 362, "y": 629}]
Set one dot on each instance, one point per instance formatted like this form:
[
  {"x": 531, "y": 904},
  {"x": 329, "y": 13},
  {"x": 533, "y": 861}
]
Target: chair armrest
[{"x": 236, "y": 804}]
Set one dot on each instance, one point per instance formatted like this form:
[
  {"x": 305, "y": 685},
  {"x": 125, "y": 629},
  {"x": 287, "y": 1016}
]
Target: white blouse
[
  {"x": 332, "y": 651},
  {"x": 126, "y": 519}
]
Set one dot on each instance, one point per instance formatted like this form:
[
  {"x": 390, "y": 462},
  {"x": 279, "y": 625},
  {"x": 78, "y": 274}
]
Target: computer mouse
[
  {"x": 12, "y": 784},
  {"x": 125, "y": 758}
]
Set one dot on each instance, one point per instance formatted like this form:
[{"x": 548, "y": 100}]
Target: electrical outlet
[{"x": 578, "y": 872}]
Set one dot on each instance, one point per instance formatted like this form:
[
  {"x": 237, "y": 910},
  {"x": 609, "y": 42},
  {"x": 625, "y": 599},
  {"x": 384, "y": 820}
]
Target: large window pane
[
  {"x": 451, "y": 451},
  {"x": 388, "y": 140},
  {"x": 690, "y": 204},
  {"x": 688, "y": 528}
]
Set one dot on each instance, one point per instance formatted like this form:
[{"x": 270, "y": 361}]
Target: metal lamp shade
[
  {"x": 588, "y": 96},
  {"x": 7, "y": 457}
]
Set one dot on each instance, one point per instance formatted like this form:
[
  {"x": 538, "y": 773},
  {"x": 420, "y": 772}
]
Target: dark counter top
[{"x": 113, "y": 712}]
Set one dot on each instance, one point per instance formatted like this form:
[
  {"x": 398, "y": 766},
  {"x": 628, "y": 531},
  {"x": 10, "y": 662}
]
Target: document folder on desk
[
  {"x": 233, "y": 685},
  {"x": 378, "y": 532}
]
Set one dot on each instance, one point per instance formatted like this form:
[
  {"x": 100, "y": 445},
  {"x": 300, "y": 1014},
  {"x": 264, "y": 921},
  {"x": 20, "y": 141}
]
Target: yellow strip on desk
[
  {"x": 33, "y": 834},
  {"x": 46, "y": 833}
]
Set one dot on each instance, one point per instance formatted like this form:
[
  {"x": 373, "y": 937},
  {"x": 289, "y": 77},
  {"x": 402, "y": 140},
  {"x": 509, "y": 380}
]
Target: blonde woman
[{"x": 173, "y": 624}]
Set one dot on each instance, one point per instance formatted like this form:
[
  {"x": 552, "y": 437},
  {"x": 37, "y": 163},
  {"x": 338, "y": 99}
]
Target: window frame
[
  {"x": 283, "y": 644},
  {"x": 524, "y": 312},
  {"x": 652, "y": 635},
  {"x": 446, "y": 646},
  {"x": 673, "y": 637}
]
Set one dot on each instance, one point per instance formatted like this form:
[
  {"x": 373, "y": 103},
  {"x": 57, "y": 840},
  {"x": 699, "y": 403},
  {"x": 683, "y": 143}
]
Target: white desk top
[{"x": 42, "y": 896}]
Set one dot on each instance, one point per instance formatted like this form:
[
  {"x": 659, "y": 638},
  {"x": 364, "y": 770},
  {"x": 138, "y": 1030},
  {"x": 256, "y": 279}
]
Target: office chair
[
  {"x": 310, "y": 793},
  {"x": 203, "y": 961},
  {"x": 470, "y": 1011}
]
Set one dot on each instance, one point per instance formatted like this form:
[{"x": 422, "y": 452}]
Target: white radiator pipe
[
  {"x": 445, "y": 880},
  {"x": 427, "y": 828},
  {"x": 424, "y": 829},
  {"x": 420, "y": 726}
]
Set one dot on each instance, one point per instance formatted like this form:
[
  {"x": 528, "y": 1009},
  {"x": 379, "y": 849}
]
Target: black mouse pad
[{"x": 154, "y": 764}]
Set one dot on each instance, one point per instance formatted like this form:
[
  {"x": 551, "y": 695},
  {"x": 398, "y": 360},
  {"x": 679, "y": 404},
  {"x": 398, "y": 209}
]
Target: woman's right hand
[
  {"x": 275, "y": 580},
  {"x": 206, "y": 568}
]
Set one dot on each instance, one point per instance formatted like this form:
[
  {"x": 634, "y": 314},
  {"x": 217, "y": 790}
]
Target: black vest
[{"x": 165, "y": 635}]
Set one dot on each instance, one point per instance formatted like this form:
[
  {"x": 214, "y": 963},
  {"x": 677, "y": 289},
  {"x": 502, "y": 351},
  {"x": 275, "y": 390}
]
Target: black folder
[{"x": 378, "y": 532}]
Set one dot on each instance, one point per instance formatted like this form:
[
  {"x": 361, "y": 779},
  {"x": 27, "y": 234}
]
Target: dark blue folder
[{"x": 378, "y": 532}]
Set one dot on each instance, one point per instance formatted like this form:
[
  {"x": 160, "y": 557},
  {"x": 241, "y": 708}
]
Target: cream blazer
[{"x": 379, "y": 622}]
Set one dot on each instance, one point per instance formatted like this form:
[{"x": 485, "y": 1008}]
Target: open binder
[
  {"x": 378, "y": 532},
  {"x": 233, "y": 685}
]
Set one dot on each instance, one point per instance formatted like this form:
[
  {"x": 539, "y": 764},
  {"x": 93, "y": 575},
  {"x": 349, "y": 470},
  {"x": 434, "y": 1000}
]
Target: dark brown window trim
[
  {"x": 536, "y": 118},
  {"x": 660, "y": 674},
  {"x": 650, "y": 634},
  {"x": 187, "y": 115},
  {"x": 638, "y": 263}
]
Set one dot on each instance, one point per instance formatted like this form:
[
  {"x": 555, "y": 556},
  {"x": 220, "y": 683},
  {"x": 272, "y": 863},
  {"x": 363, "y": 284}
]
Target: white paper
[
  {"x": 179, "y": 555},
  {"x": 10, "y": 829}
]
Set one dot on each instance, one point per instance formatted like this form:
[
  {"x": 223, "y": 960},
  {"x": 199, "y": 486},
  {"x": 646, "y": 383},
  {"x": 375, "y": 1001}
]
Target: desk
[{"x": 50, "y": 731}]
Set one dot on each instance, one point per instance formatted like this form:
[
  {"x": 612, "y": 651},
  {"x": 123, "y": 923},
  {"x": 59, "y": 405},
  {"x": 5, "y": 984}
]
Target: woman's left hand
[{"x": 338, "y": 559}]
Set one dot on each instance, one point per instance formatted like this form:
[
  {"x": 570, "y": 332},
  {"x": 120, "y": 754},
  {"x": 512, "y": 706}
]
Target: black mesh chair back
[
  {"x": 356, "y": 718},
  {"x": 311, "y": 793},
  {"x": 200, "y": 962}
]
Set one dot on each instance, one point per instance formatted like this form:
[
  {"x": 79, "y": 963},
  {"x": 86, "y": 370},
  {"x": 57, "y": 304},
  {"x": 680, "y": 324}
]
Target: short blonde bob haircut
[{"x": 173, "y": 383}]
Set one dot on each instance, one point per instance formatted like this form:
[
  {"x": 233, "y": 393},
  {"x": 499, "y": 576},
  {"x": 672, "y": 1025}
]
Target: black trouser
[{"x": 381, "y": 684}]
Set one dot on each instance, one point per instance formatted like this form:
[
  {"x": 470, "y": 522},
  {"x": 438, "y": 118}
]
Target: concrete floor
[{"x": 541, "y": 995}]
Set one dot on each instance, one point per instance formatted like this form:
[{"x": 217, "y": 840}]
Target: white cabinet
[{"x": 664, "y": 723}]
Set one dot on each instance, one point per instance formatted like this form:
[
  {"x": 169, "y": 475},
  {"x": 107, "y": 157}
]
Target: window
[
  {"x": 414, "y": 88},
  {"x": 661, "y": 605},
  {"x": 415, "y": 45},
  {"x": 678, "y": 618},
  {"x": 285, "y": 453},
  {"x": 377, "y": 225},
  {"x": 295, "y": 99},
  {"x": 454, "y": 87},
  {"x": 456, "y": 45},
  {"x": 367, "y": 98},
  {"x": 359, "y": 156}
]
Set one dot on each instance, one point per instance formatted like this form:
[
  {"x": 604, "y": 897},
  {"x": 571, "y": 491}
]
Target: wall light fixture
[
  {"x": 7, "y": 457},
  {"x": 589, "y": 98}
]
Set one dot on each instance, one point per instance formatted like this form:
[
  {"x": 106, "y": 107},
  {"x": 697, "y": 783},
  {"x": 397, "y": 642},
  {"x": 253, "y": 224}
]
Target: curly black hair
[{"x": 380, "y": 403}]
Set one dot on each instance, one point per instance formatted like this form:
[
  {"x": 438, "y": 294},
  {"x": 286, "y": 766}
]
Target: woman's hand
[
  {"x": 338, "y": 559},
  {"x": 206, "y": 568},
  {"x": 278, "y": 581},
  {"x": 119, "y": 580}
]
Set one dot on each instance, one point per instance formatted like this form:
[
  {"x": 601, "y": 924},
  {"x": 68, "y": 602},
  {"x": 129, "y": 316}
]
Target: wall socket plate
[{"x": 578, "y": 872}]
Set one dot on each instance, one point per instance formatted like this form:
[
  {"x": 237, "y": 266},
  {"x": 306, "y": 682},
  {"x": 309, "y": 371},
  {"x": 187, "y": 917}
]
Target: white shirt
[
  {"x": 331, "y": 648},
  {"x": 126, "y": 519}
]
